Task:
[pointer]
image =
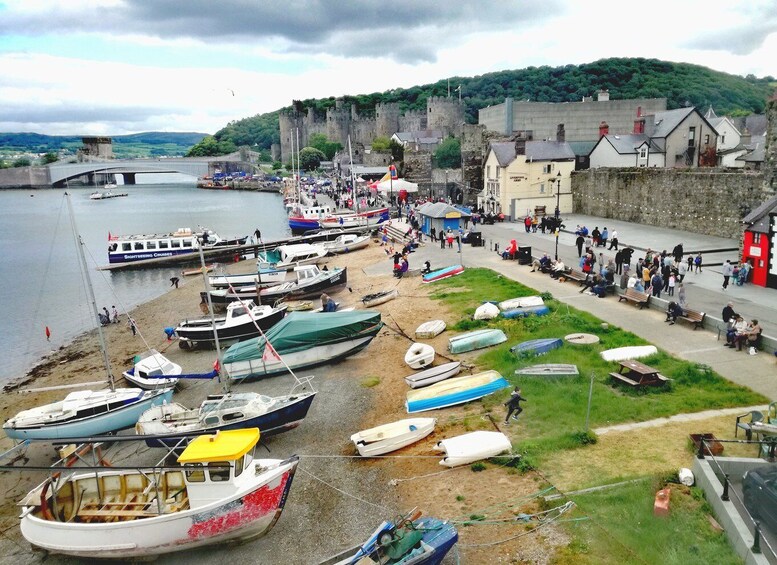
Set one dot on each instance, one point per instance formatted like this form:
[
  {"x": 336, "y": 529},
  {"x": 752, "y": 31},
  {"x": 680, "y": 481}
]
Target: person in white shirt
[{"x": 614, "y": 239}]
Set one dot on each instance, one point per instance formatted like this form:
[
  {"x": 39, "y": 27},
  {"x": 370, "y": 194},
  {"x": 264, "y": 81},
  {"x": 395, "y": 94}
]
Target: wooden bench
[
  {"x": 692, "y": 316},
  {"x": 575, "y": 275},
  {"x": 635, "y": 296},
  {"x": 638, "y": 374}
]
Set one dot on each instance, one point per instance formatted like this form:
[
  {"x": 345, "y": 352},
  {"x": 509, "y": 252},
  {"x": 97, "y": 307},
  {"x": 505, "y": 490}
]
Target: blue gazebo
[{"x": 441, "y": 216}]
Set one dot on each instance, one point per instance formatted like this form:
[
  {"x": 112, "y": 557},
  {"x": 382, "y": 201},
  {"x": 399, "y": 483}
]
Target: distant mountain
[
  {"x": 148, "y": 144},
  {"x": 680, "y": 83}
]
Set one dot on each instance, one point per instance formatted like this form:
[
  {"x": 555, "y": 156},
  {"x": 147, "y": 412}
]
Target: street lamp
[{"x": 558, "y": 204}]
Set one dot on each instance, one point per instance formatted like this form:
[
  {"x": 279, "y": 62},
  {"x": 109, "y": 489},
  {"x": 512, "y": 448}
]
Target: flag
[
  {"x": 393, "y": 172},
  {"x": 270, "y": 355},
  {"x": 217, "y": 366}
]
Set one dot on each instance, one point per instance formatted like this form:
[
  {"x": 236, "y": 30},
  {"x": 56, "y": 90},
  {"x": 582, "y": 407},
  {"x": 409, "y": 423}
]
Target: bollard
[
  {"x": 724, "y": 496},
  {"x": 756, "y": 538}
]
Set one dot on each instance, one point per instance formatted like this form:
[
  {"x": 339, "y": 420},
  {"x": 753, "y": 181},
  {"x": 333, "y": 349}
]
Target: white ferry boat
[{"x": 127, "y": 248}]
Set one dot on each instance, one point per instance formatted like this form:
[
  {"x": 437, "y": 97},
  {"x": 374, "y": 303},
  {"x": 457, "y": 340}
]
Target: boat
[
  {"x": 471, "y": 447},
  {"x": 242, "y": 321},
  {"x": 536, "y": 346},
  {"x": 433, "y": 375},
  {"x": 303, "y": 218},
  {"x": 378, "y": 298},
  {"x": 393, "y": 436},
  {"x": 629, "y": 352},
  {"x": 456, "y": 390},
  {"x": 525, "y": 311},
  {"x": 220, "y": 493},
  {"x": 430, "y": 329},
  {"x": 486, "y": 311},
  {"x": 419, "y": 355},
  {"x": 346, "y": 243},
  {"x": 107, "y": 193},
  {"x": 302, "y": 339},
  {"x": 549, "y": 370},
  {"x": 310, "y": 281},
  {"x": 521, "y": 302},
  {"x": 265, "y": 276},
  {"x": 86, "y": 413},
  {"x": 443, "y": 273},
  {"x": 228, "y": 411},
  {"x": 349, "y": 219},
  {"x": 191, "y": 272},
  {"x": 184, "y": 241},
  {"x": 290, "y": 256},
  {"x": 477, "y": 339},
  {"x": 410, "y": 540},
  {"x": 153, "y": 370}
]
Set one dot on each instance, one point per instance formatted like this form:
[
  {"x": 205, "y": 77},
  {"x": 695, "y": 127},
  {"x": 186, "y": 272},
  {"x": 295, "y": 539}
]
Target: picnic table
[{"x": 638, "y": 374}]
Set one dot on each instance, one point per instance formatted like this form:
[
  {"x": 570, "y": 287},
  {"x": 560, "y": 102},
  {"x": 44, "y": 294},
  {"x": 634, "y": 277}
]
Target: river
[{"x": 42, "y": 285}]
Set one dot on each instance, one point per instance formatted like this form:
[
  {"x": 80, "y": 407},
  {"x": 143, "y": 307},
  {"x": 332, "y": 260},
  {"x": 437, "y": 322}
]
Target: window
[
  {"x": 194, "y": 473},
  {"x": 542, "y": 188},
  {"x": 219, "y": 471},
  {"x": 756, "y": 237},
  {"x": 707, "y": 139},
  {"x": 723, "y": 139},
  {"x": 643, "y": 152},
  {"x": 138, "y": 246},
  {"x": 488, "y": 171},
  {"x": 239, "y": 466},
  {"x": 126, "y": 247},
  {"x": 164, "y": 244},
  {"x": 691, "y": 136},
  {"x": 151, "y": 245},
  {"x": 187, "y": 242},
  {"x": 175, "y": 243},
  {"x": 547, "y": 169}
]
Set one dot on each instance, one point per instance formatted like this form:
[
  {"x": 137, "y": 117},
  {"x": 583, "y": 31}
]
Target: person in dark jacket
[
  {"x": 514, "y": 405},
  {"x": 579, "y": 242}
]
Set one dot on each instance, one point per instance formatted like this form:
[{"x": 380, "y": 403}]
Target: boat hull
[
  {"x": 454, "y": 391},
  {"x": 443, "y": 273},
  {"x": 419, "y": 355},
  {"x": 336, "y": 279},
  {"x": 476, "y": 340},
  {"x": 393, "y": 436},
  {"x": 433, "y": 375},
  {"x": 525, "y": 311},
  {"x": 204, "y": 333},
  {"x": 536, "y": 346},
  {"x": 474, "y": 446},
  {"x": 430, "y": 329},
  {"x": 379, "y": 298},
  {"x": 629, "y": 352},
  {"x": 522, "y": 302},
  {"x": 250, "y": 513}
]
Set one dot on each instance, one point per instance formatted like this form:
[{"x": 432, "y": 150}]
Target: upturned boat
[
  {"x": 525, "y": 311},
  {"x": 471, "y": 447},
  {"x": 377, "y": 298},
  {"x": 430, "y": 329},
  {"x": 521, "y": 302},
  {"x": 433, "y": 375},
  {"x": 457, "y": 390},
  {"x": 536, "y": 346},
  {"x": 628, "y": 352},
  {"x": 419, "y": 355},
  {"x": 477, "y": 339},
  {"x": 443, "y": 273},
  {"x": 302, "y": 339},
  {"x": 242, "y": 321},
  {"x": 392, "y": 436},
  {"x": 221, "y": 493}
]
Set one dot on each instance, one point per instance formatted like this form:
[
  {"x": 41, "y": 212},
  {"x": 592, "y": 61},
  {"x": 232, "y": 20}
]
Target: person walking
[
  {"x": 657, "y": 284},
  {"x": 727, "y": 271},
  {"x": 579, "y": 242},
  {"x": 132, "y": 326},
  {"x": 677, "y": 252},
  {"x": 114, "y": 315},
  {"x": 514, "y": 405},
  {"x": 697, "y": 262},
  {"x": 614, "y": 240}
]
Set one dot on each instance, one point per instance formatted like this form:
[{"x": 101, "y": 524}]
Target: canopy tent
[{"x": 396, "y": 185}]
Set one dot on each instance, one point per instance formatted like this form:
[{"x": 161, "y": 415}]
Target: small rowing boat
[
  {"x": 433, "y": 375},
  {"x": 521, "y": 302},
  {"x": 419, "y": 355},
  {"x": 430, "y": 329},
  {"x": 486, "y": 311},
  {"x": 392, "y": 436},
  {"x": 457, "y": 390},
  {"x": 630, "y": 352},
  {"x": 536, "y": 346},
  {"x": 525, "y": 311},
  {"x": 471, "y": 447},
  {"x": 377, "y": 298},
  {"x": 190, "y": 272},
  {"x": 476, "y": 340},
  {"x": 549, "y": 370},
  {"x": 443, "y": 273}
]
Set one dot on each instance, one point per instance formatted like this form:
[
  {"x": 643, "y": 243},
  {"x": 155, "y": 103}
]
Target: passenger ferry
[{"x": 127, "y": 248}]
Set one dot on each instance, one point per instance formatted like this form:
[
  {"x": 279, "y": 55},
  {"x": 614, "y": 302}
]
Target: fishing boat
[
  {"x": 536, "y": 346},
  {"x": 303, "y": 218},
  {"x": 629, "y": 352},
  {"x": 471, "y": 447},
  {"x": 184, "y": 241},
  {"x": 153, "y": 370},
  {"x": 430, "y": 329},
  {"x": 310, "y": 281},
  {"x": 378, "y": 298},
  {"x": 220, "y": 493},
  {"x": 549, "y": 370},
  {"x": 419, "y": 355},
  {"x": 290, "y": 256},
  {"x": 229, "y": 411},
  {"x": 486, "y": 311},
  {"x": 349, "y": 219},
  {"x": 521, "y": 302},
  {"x": 393, "y": 436},
  {"x": 443, "y": 273},
  {"x": 433, "y": 375},
  {"x": 477, "y": 339},
  {"x": 346, "y": 243},
  {"x": 242, "y": 321},
  {"x": 86, "y": 413},
  {"x": 302, "y": 339},
  {"x": 265, "y": 276},
  {"x": 456, "y": 390},
  {"x": 410, "y": 540},
  {"x": 525, "y": 311},
  {"x": 191, "y": 272}
]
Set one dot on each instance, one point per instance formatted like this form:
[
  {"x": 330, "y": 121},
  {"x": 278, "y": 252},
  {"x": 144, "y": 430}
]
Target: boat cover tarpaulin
[{"x": 302, "y": 330}]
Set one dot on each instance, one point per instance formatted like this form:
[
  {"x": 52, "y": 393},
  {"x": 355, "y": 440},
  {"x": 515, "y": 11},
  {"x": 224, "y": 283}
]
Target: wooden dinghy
[
  {"x": 419, "y": 355},
  {"x": 379, "y": 297},
  {"x": 476, "y": 340},
  {"x": 471, "y": 447},
  {"x": 630, "y": 352},
  {"x": 392, "y": 436},
  {"x": 433, "y": 375},
  {"x": 525, "y": 311},
  {"x": 457, "y": 390},
  {"x": 521, "y": 302},
  {"x": 536, "y": 346},
  {"x": 443, "y": 273},
  {"x": 549, "y": 370},
  {"x": 430, "y": 329}
]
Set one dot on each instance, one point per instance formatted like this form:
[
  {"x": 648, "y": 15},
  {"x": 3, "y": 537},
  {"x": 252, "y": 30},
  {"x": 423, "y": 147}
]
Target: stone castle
[{"x": 442, "y": 114}]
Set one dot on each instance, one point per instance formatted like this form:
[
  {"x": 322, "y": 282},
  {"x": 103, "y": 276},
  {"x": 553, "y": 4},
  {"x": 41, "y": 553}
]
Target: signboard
[{"x": 452, "y": 215}]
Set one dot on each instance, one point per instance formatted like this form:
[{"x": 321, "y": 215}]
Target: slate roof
[
  {"x": 664, "y": 123},
  {"x": 631, "y": 142},
  {"x": 759, "y": 218},
  {"x": 440, "y": 210},
  {"x": 535, "y": 151},
  {"x": 582, "y": 148},
  {"x": 756, "y": 150}
]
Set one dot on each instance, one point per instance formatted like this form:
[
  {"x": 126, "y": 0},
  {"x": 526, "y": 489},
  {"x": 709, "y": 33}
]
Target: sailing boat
[
  {"x": 86, "y": 413},
  {"x": 229, "y": 410}
]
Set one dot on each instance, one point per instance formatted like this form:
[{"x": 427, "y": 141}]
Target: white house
[
  {"x": 730, "y": 142},
  {"x": 629, "y": 150}
]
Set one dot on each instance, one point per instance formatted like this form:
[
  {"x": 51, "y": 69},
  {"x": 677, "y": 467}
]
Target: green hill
[{"x": 679, "y": 83}]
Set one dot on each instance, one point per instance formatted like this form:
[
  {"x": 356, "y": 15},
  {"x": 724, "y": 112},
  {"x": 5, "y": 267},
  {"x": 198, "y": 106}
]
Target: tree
[
  {"x": 381, "y": 144},
  {"x": 49, "y": 158},
  {"x": 310, "y": 158},
  {"x": 397, "y": 151},
  {"x": 448, "y": 154},
  {"x": 329, "y": 148}
]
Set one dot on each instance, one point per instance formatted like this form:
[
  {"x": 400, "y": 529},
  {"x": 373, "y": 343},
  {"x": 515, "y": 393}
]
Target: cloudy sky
[{"x": 124, "y": 66}]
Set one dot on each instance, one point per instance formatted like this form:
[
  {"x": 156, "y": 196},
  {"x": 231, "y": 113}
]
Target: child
[
  {"x": 672, "y": 281},
  {"x": 514, "y": 405},
  {"x": 697, "y": 262}
]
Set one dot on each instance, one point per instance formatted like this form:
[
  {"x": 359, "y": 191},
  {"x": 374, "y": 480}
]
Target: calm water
[{"x": 38, "y": 258}]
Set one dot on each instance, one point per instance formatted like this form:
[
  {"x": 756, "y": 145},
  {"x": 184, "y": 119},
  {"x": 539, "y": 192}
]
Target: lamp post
[{"x": 558, "y": 211}]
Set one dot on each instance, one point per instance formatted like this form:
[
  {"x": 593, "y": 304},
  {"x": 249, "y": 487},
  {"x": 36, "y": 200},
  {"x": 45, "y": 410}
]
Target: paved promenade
[{"x": 759, "y": 372}]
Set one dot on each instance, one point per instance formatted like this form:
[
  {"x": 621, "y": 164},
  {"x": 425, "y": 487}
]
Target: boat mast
[
  {"x": 224, "y": 382},
  {"x": 82, "y": 261},
  {"x": 299, "y": 172},
  {"x": 353, "y": 179}
]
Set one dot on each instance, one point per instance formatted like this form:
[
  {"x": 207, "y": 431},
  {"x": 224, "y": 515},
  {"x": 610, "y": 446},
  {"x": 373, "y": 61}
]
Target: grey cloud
[
  {"x": 403, "y": 29},
  {"x": 72, "y": 113},
  {"x": 741, "y": 40}
]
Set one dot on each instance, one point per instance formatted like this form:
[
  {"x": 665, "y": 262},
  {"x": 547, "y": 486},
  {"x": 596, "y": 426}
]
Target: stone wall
[
  {"x": 418, "y": 169},
  {"x": 25, "y": 177},
  {"x": 705, "y": 201},
  {"x": 770, "y": 150}
]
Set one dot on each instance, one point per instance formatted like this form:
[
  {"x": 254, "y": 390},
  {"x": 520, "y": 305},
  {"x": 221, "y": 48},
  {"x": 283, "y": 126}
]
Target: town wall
[
  {"x": 25, "y": 177},
  {"x": 413, "y": 120},
  {"x": 473, "y": 148},
  {"x": 706, "y": 201},
  {"x": 770, "y": 150},
  {"x": 418, "y": 169}
]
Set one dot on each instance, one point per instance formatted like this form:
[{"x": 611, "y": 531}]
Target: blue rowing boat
[
  {"x": 476, "y": 340},
  {"x": 457, "y": 390},
  {"x": 536, "y": 346},
  {"x": 525, "y": 312}
]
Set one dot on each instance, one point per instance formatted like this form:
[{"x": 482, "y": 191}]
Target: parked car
[{"x": 759, "y": 487}]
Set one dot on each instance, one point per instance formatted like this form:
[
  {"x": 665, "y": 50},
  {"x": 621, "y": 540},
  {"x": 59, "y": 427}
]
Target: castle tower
[
  {"x": 770, "y": 149},
  {"x": 289, "y": 122},
  {"x": 445, "y": 114},
  {"x": 386, "y": 119},
  {"x": 338, "y": 123}
]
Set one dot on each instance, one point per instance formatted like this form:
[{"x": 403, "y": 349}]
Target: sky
[{"x": 113, "y": 67}]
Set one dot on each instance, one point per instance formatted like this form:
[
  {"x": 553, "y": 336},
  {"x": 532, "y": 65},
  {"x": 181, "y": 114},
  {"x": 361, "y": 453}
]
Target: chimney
[
  {"x": 560, "y": 133},
  {"x": 639, "y": 125},
  {"x": 520, "y": 147},
  {"x": 603, "y": 95},
  {"x": 604, "y": 129}
]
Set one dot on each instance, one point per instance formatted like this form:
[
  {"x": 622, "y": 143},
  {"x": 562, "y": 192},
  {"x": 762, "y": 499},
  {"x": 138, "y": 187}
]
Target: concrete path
[{"x": 677, "y": 418}]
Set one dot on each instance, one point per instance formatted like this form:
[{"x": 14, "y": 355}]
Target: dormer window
[{"x": 643, "y": 152}]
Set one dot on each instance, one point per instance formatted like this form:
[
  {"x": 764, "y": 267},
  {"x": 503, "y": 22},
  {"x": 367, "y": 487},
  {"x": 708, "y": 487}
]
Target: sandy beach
[{"x": 337, "y": 498}]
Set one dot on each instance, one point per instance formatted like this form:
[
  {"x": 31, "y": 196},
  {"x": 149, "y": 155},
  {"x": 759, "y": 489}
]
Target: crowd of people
[{"x": 740, "y": 333}]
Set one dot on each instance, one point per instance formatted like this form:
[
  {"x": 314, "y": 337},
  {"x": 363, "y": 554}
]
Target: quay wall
[{"x": 25, "y": 177}]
